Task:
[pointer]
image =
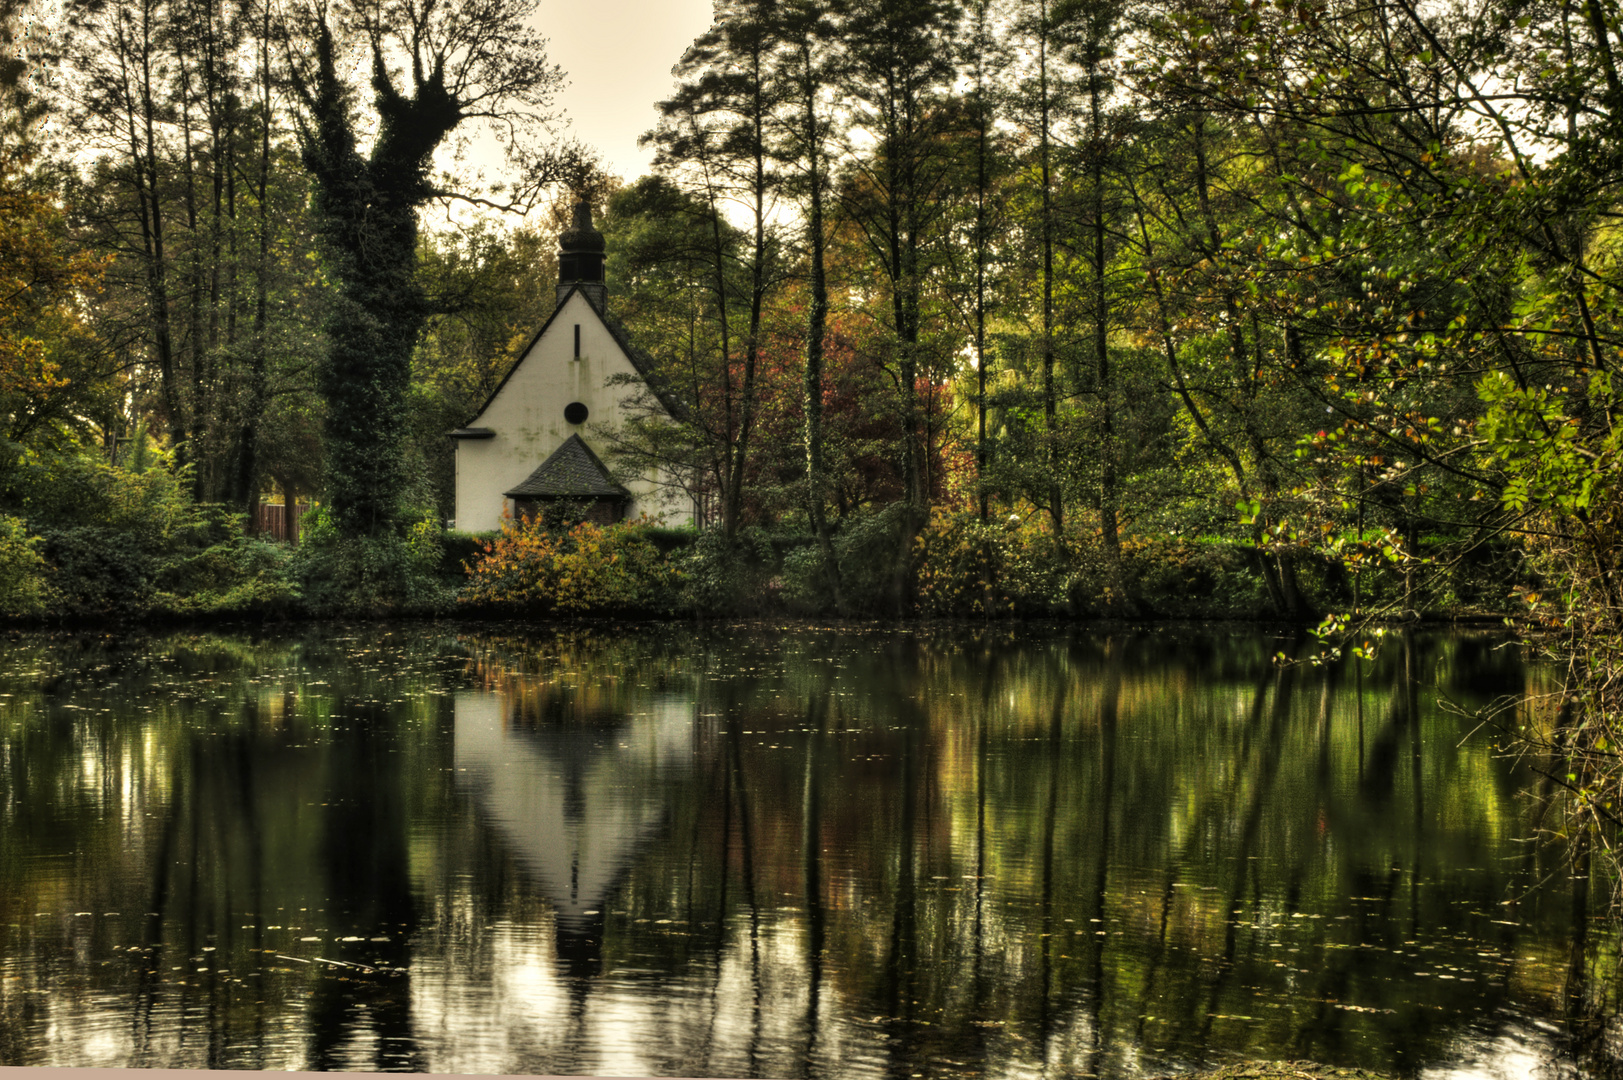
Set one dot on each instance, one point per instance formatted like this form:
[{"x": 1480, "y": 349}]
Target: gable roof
[
  {"x": 572, "y": 471},
  {"x": 640, "y": 359}
]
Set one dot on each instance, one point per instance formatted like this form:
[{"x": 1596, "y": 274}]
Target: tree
[
  {"x": 1046, "y": 98},
  {"x": 54, "y": 374},
  {"x": 983, "y": 56},
  {"x": 897, "y": 70},
  {"x": 57, "y": 378},
  {"x": 24, "y": 58},
  {"x": 713, "y": 132},
  {"x": 808, "y": 31},
  {"x": 192, "y": 193},
  {"x": 487, "y": 290},
  {"x": 120, "y": 96},
  {"x": 430, "y": 68},
  {"x": 1095, "y": 30},
  {"x": 1196, "y": 210},
  {"x": 663, "y": 247}
]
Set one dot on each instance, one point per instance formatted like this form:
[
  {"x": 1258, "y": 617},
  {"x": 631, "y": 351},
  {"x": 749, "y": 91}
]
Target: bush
[
  {"x": 213, "y": 567},
  {"x": 805, "y": 579},
  {"x": 865, "y": 549},
  {"x": 122, "y": 542},
  {"x": 460, "y": 550},
  {"x": 1182, "y": 577},
  {"x": 669, "y": 538},
  {"x": 1013, "y": 566},
  {"x": 98, "y": 570},
  {"x": 370, "y": 575},
  {"x": 585, "y": 568},
  {"x": 22, "y": 570},
  {"x": 722, "y": 578}
]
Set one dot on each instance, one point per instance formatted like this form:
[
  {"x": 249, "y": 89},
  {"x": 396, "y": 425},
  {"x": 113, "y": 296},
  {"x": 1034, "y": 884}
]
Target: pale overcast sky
[{"x": 618, "y": 55}]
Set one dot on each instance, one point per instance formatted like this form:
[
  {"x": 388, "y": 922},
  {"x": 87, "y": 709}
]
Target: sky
[{"x": 617, "y": 56}]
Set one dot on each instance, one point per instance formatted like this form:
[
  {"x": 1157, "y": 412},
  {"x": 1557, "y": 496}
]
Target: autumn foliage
[
  {"x": 42, "y": 285},
  {"x": 583, "y": 568}
]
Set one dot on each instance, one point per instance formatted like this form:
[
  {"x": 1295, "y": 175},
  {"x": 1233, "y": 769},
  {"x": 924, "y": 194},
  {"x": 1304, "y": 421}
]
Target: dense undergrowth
[{"x": 98, "y": 541}]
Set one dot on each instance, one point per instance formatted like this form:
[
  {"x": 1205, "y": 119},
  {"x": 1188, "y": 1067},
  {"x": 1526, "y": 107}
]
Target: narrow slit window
[{"x": 577, "y": 341}]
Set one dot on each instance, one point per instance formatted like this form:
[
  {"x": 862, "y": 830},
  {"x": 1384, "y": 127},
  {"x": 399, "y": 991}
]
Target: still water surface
[{"x": 775, "y": 853}]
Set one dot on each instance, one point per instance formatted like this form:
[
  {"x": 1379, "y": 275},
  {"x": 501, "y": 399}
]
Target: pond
[{"x": 780, "y": 852}]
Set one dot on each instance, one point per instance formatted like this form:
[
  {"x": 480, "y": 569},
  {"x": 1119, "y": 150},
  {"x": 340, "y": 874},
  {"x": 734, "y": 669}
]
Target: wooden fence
[{"x": 272, "y": 521}]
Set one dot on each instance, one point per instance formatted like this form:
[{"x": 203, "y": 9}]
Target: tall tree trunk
[
  {"x": 137, "y": 93},
  {"x": 732, "y": 467},
  {"x": 752, "y": 342},
  {"x": 1056, "y": 509},
  {"x": 816, "y": 329},
  {"x": 196, "y": 347},
  {"x": 982, "y": 240},
  {"x": 898, "y": 65},
  {"x": 1101, "y": 336},
  {"x": 248, "y": 452}
]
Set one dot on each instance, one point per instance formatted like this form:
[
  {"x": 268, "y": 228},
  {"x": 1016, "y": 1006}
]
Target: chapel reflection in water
[{"x": 573, "y": 797}]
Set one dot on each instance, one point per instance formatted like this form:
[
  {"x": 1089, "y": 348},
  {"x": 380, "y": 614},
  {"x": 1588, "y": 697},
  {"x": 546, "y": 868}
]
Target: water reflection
[
  {"x": 804, "y": 853},
  {"x": 573, "y": 802}
]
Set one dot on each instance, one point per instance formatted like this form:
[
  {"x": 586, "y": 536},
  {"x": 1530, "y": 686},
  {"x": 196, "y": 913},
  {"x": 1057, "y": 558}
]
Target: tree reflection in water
[{"x": 775, "y": 853}]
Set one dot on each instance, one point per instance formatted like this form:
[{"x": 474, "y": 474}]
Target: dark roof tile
[{"x": 572, "y": 471}]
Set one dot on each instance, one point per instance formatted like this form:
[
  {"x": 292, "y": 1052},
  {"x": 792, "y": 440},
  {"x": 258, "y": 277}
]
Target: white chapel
[{"x": 536, "y": 441}]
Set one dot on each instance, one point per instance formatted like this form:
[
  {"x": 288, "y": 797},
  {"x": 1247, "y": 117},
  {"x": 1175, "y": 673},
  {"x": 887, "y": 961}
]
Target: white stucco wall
[{"x": 527, "y": 415}]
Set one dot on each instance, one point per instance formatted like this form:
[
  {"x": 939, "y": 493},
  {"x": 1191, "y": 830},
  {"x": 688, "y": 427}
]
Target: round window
[{"x": 575, "y": 412}]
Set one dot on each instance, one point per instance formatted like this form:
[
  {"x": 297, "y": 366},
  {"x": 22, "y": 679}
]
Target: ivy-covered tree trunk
[
  {"x": 366, "y": 213},
  {"x": 808, "y": 28},
  {"x": 431, "y": 67}
]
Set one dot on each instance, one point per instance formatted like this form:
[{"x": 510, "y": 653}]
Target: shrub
[
  {"x": 865, "y": 549},
  {"x": 1208, "y": 577},
  {"x": 585, "y": 568},
  {"x": 98, "y": 570},
  {"x": 214, "y": 567},
  {"x": 121, "y": 542},
  {"x": 805, "y": 578},
  {"x": 22, "y": 570},
  {"x": 340, "y": 574},
  {"x": 668, "y": 538},
  {"x": 969, "y": 567},
  {"x": 728, "y": 578},
  {"x": 459, "y": 550}
]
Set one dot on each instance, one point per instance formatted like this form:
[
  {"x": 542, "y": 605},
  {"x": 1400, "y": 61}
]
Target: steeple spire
[{"x": 580, "y": 258}]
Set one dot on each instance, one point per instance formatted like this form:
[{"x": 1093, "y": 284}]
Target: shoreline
[{"x": 263, "y": 620}]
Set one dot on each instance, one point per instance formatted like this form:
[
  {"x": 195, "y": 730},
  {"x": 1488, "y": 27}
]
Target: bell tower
[{"x": 580, "y": 259}]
